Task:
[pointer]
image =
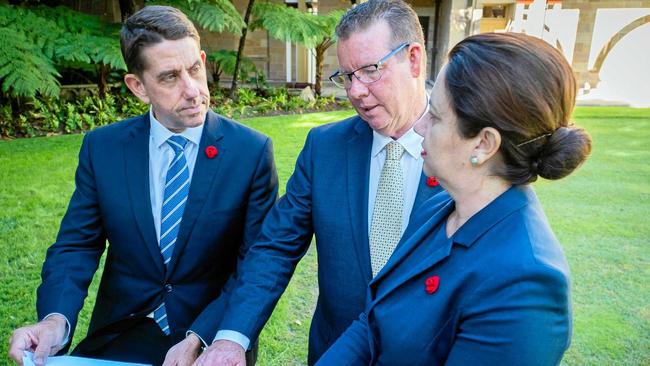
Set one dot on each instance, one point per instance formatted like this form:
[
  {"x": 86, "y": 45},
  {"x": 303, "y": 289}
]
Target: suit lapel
[
  {"x": 424, "y": 192},
  {"x": 438, "y": 212},
  {"x": 358, "y": 170},
  {"x": 136, "y": 157},
  {"x": 205, "y": 171},
  {"x": 513, "y": 199}
]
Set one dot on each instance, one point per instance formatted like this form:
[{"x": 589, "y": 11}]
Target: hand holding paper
[
  {"x": 222, "y": 353},
  {"x": 185, "y": 352},
  {"x": 43, "y": 338},
  {"x": 75, "y": 361}
]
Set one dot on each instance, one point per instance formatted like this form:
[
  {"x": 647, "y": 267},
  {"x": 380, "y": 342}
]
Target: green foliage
[
  {"x": 51, "y": 116},
  {"x": 36, "y": 40},
  {"x": 24, "y": 69},
  {"x": 223, "y": 61},
  {"x": 290, "y": 24},
  {"x": 254, "y": 102},
  {"x": 213, "y": 15},
  {"x": 47, "y": 116}
]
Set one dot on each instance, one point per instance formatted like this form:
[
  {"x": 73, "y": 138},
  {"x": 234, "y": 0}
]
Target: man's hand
[
  {"x": 222, "y": 353},
  {"x": 184, "y": 353},
  {"x": 43, "y": 338}
]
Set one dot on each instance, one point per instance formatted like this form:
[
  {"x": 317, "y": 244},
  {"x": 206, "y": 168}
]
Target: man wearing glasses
[{"x": 354, "y": 187}]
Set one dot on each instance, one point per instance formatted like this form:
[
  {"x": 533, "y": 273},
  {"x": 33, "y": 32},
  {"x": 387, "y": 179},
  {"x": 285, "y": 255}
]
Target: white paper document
[{"x": 76, "y": 361}]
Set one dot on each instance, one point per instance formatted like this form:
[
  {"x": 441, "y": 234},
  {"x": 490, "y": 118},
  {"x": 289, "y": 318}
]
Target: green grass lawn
[{"x": 600, "y": 214}]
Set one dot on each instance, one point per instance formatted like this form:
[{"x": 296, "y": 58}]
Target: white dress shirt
[{"x": 161, "y": 155}]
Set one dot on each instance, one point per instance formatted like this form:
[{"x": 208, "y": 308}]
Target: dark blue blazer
[
  {"x": 229, "y": 196},
  {"x": 502, "y": 294},
  {"x": 327, "y": 195}
]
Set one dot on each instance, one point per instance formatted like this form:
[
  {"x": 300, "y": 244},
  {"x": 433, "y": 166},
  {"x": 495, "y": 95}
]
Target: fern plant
[
  {"x": 24, "y": 69},
  {"x": 213, "y": 15},
  {"x": 35, "y": 41},
  {"x": 290, "y": 24},
  {"x": 223, "y": 62}
]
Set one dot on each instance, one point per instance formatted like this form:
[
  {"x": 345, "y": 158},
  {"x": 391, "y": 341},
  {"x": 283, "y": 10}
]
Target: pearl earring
[{"x": 473, "y": 160}]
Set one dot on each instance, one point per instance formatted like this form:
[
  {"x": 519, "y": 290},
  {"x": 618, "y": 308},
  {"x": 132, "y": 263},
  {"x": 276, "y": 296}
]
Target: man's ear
[
  {"x": 415, "y": 51},
  {"x": 487, "y": 146},
  {"x": 136, "y": 86},
  {"x": 203, "y": 57}
]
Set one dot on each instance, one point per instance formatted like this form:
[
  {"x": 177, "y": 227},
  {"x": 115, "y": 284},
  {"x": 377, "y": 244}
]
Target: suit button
[{"x": 169, "y": 288}]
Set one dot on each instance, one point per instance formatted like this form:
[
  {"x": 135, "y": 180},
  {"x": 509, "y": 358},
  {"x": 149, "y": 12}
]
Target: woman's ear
[
  {"x": 488, "y": 142},
  {"x": 136, "y": 86}
]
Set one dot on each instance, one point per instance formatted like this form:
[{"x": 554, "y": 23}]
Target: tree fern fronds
[
  {"x": 24, "y": 70},
  {"x": 290, "y": 24},
  {"x": 212, "y": 15},
  {"x": 52, "y": 37},
  {"x": 225, "y": 60},
  {"x": 90, "y": 49}
]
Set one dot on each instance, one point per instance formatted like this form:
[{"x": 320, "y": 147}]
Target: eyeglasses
[{"x": 365, "y": 74}]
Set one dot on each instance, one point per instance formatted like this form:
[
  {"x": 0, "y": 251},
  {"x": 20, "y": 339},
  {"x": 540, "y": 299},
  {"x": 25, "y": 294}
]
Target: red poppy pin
[
  {"x": 431, "y": 284},
  {"x": 432, "y": 181},
  {"x": 211, "y": 151}
]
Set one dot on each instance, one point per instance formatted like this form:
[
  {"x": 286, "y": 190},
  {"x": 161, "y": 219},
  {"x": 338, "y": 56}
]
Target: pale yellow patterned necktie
[{"x": 386, "y": 226}]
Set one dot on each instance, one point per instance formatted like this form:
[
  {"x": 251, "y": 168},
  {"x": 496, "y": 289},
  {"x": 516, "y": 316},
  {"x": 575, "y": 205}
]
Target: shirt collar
[
  {"x": 161, "y": 134},
  {"x": 410, "y": 141}
]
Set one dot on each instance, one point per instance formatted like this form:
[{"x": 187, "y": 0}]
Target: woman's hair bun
[{"x": 564, "y": 151}]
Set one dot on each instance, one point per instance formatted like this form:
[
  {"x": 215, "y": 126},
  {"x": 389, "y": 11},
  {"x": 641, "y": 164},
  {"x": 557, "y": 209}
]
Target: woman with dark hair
[{"x": 483, "y": 280}]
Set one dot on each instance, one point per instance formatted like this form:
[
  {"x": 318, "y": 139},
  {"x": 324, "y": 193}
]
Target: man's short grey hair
[{"x": 400, "y": 17}]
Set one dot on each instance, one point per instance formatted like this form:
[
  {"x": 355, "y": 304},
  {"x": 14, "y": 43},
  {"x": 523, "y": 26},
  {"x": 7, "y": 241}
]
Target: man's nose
[
  {"x": 190, "y": 87},
  {"x": 357, "y": 89}
]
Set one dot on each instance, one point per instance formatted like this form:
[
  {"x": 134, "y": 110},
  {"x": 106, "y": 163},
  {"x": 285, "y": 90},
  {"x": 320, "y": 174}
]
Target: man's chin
[
  {"x": 196, "y": 119},
  {"x": 376, "y": 124}
]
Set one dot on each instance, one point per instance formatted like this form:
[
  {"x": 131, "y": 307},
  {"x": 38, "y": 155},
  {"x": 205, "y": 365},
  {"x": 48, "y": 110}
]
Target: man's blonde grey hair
[{"x": 400, "y": 17}]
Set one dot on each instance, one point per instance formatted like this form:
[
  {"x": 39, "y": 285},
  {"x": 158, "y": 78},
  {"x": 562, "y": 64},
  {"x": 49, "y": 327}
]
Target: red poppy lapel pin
[
  {"x": 431, "y": 284},
  {"x": 432, "y": 181},
  {"x": 211, "y": 152}
]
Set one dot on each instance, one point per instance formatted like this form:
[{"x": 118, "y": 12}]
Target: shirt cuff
[
  {"x": 66, "y": 335},
  {"x": 203, "y": 344},
  {"x": 233, "y": 336}
]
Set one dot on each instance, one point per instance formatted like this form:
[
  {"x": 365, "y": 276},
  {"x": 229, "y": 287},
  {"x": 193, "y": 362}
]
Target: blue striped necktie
[{"x": 177, "y": 187}]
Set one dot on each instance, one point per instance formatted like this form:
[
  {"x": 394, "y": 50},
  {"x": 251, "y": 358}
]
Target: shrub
[
  {"x": 254, "y": 102},
  {"x": 44, "y": 116},
  {"x": 52, "y": 116}
]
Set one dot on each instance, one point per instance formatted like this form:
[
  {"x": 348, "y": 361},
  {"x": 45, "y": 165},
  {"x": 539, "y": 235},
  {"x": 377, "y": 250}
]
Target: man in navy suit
[
  {"x": 336, "y": 188},
  {"x": 179, "y": 193}
]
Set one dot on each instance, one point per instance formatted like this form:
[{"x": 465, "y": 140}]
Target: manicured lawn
[{"x": 600, "y": 214}]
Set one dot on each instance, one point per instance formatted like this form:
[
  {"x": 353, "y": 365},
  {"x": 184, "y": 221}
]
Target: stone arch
[{"x": 602, "y": 55}]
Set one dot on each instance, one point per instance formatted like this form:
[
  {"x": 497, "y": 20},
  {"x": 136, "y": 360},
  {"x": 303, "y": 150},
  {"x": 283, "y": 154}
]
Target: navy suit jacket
[
  {"x": 229, "y": 196},
  {"x": 502, "y": 295},
  {"x": 327, "y": 195}
]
